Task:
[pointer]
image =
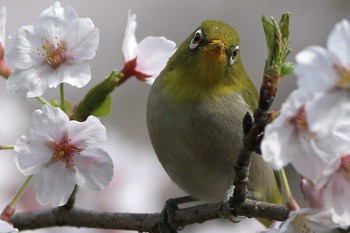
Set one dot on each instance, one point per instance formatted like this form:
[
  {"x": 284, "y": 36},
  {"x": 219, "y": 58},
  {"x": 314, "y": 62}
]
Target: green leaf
[
  {"x": 104, "y": 109},
  {"x": 287, "y": 69}
]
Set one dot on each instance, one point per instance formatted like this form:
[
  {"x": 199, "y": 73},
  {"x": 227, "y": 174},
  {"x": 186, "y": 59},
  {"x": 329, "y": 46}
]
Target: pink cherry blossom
[{"x": 146, "y": 59}]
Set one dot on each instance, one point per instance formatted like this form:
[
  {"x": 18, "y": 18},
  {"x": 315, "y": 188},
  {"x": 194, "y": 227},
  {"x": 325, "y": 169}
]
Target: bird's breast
[{"x": 198, "y": 142}]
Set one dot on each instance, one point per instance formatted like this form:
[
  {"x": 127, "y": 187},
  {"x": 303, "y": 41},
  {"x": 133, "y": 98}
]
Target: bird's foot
[
  {"x": 166, "y": 223},
  {"x": 225, "y": 207}
]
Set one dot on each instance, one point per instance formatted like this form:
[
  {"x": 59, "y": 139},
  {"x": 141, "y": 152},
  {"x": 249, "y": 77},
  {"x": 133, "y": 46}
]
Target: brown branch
[
  {"x": 277, "y": 37},
  {"x": 140, "y": 222}
]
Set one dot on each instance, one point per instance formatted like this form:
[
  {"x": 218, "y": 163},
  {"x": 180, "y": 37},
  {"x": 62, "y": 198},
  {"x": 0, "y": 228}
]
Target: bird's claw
[{"x": 166, "y": 223}]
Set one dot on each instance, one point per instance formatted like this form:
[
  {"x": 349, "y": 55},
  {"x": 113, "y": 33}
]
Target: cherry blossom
[
  {"x": 326, "y": 71},
  {"x": 55, "y": 50},
  {"x": 288, "y": 139},
  {"x": 146, "y": 59},
  {"x": 61, "y": 153}
]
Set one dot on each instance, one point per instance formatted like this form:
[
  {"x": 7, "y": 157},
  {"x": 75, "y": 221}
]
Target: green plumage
[{"x": 194, "y": 116}]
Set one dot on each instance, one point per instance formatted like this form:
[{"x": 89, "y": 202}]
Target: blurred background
[{"x": 140, "y": 184}]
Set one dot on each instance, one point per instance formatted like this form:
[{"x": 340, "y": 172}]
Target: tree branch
[
  {"x": 277, "y": 38},
  {"x": 77, "y": 217}
]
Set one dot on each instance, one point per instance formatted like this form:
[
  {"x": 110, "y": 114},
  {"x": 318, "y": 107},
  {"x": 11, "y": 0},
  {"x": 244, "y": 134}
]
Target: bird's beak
[{"x": 215, "y": 48}]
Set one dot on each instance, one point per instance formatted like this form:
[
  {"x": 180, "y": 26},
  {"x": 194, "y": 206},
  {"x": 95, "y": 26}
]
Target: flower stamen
[
  {"x": 301, "y": 225},
  {"x": 299, "y": 121},
  {"x": 54, "y": 53},
  {"x": 344, "y": 77},
  {"x": 64, "y": 151}
]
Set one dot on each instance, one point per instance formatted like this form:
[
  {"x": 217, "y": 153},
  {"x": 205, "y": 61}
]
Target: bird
[{"x": 195, "y": 111}]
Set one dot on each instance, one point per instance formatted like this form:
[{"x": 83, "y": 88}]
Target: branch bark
[{"x": 146, "y": 222}]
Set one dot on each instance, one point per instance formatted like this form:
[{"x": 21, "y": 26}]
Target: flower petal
[
  {"x": 87, "y": 133},
  {"x": 338, "y": 42},
  {"x": 56, "y": 20},
  {"x": 273, "y": 143},
  {"x": 28, "y": 83},
  {"x": 49, "y": 122},
  {"x": 314, "y": 70},
  {"x": 153, "y": 54},
  {"x": 75, "y": 74},
  {"x": 32, "y": 154},
  {"x": 336, "y": 195},
  {"x": 95, "y": 166},
  {"x": 82, "y": 40},
  {"x": 329, "y": 110},
  {"x": 54, "y": 184},
  {"x": 129, "y": 42},
  {"x": 24, "y": 53}
]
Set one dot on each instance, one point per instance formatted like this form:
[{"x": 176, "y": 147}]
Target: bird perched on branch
[{"x": 195, "y": 112}]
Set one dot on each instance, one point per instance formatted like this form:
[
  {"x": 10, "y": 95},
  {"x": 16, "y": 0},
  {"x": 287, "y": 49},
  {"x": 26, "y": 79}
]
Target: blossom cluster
[
  {"x": 60, "y": 152},
  {"x": 312, "y": 132}
]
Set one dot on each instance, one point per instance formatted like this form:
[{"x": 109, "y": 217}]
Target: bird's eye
[
  {"x": 234, "y": 55},
  {"x": 196, "y": 39}
]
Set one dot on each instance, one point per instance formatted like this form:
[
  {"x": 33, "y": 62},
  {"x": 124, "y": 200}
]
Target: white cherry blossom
[
  {"x": 61, "y": 153},
  {"x": 326, "y": 71},
  {"x": 55, "y": 50}
]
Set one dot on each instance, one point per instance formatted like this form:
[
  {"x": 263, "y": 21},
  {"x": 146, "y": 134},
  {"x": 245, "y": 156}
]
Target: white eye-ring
[
  {"x": 198, "y": 36},
  {"x": 234, "y": 55}
]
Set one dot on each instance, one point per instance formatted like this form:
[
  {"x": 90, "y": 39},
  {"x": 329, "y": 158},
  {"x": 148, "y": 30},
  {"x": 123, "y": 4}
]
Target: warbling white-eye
[{"x": 195, "y": 112}]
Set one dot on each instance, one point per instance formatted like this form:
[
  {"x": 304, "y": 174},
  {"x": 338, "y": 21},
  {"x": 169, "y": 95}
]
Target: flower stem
[
  {"x": 291, "y": 203},
  {"x": 7, "y": 147},
  {"x": 20, "y": 191},
  {"x": 43, "y": 101},
  {"x": 63, "y": 106}
]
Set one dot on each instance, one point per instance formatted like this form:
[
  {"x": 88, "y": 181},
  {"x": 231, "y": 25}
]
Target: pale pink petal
[
  {"x": 55, "y": 18},
  {"x": 153, "y": 54},
  {"x": 82, "y": 40},
  {"x": 28, "y": 83},
  {"x": 314, "y": 70},
  {"x": 75, "y": 74},
  {"x": 336, "y": 196},
  {"x": 54, "y": 184},
  {"x": 24, "y": 52},
  {"x": 129, "y": 42},
  {"x": 95, "y": 166},
  {"x": 32, "y": 154},
  {"x": 272, "y": 146},
  {"x": 90, "y": 132},
  {"x": 338, "y": 42},
  {"x": 50, "y": 122},
  {"x": 328, "y": 110}
]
